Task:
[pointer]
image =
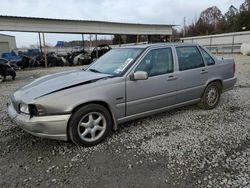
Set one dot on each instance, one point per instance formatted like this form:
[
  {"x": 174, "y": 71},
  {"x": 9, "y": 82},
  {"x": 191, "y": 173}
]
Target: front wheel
[
  {"x": 90, "y": 125},
  {"x": 211, "y": 96}
]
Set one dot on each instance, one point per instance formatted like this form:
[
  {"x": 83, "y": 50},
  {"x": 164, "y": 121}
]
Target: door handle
[
  {"x": 203, "y": 71},
  {"x": 171, "y": 77}
]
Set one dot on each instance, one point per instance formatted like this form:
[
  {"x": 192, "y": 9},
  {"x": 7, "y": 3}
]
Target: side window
[
  {"x": 157, "y": 62},
  {"x": 189, "y": 57},
  {"x": 208, "y": 59}
]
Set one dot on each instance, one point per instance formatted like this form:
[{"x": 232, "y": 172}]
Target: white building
[{"x": 7, "y": 43}]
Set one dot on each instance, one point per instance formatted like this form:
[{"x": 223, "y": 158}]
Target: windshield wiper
[{"x": 94, "y": 70}]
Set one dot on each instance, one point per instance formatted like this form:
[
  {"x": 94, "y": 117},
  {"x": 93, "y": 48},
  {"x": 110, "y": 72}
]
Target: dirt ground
[{"x": 187, "y": 147}]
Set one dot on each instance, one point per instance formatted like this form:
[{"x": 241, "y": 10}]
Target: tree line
[{"x": 212, "y": 21}]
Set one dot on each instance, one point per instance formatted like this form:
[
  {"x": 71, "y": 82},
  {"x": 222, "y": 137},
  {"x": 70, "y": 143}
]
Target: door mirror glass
[{"x": 139, "y": 75}]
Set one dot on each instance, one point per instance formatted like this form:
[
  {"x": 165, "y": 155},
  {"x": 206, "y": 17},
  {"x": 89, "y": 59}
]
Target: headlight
[
  {"x": 24, "y": 108},
  {"x": 36, "y": 110},
  {"x": 32, "y": 109}
]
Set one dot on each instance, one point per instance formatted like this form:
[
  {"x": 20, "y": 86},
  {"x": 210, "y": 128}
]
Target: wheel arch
[
  {"x": 201, "y": 102},
  {"x": 215, "y": 80},
  {"x": 211, "y": 81},
  {"x": 99, "y": 102}
]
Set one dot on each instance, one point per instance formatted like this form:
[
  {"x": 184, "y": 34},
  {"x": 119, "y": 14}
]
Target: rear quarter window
[
  {"x": 208, "y": 59},
  {"x": 189, "y": 57}
]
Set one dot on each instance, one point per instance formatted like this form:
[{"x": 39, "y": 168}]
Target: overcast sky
[{"x": 134, "y": 11}]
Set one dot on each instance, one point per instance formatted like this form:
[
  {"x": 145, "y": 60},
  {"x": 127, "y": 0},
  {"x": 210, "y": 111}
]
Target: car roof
[{"x": 144, "y": 46}]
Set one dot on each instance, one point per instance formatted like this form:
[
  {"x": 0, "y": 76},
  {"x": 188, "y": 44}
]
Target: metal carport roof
[{"x": 48, "y": 25}]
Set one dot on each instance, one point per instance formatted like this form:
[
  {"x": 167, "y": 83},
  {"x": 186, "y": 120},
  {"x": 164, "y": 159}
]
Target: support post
[
  {"x": 45, "y": 57},
  {"x": 119, "y": 37},
  {"x": 96, "y": 45},
  {"x": 40, "y": 43},
  {"x": 149, "y": 39},
  {"x": 232, "y": 50},
  {"x": 210, "y": 45},
  {"x": 90, "y": 42},
  {"x": 137, "y": 39},
  {"x": 83, "y": 41}
]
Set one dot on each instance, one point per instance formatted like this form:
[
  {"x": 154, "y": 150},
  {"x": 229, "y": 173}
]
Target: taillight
[{"x": 234, "y": 67}]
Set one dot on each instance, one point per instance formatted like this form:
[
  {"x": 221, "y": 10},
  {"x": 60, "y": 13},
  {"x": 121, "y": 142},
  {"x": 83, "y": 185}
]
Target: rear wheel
[
  {"x": 211, "y": 96},
  {"x": 90, "y": 125}
]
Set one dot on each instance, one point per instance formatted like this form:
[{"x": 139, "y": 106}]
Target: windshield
[{"x": 115, "y": 61}]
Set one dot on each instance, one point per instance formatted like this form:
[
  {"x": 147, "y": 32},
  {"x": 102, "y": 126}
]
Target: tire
[
  {"x": 90, "y": 125},
  {"x": 211, "y": 96}
]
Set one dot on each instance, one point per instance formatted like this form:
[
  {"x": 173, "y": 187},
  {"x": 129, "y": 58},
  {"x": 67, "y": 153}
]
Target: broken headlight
[
  {"x": 36, "y": 110},
  {"x": 32, "y": 109},
  {"x": 24, "y": 108}
]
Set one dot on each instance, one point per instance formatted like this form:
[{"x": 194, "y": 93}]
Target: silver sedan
[{"x": 124, "y": 84}]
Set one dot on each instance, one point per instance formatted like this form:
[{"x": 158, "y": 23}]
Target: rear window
[{"x": 189, "y": 57}]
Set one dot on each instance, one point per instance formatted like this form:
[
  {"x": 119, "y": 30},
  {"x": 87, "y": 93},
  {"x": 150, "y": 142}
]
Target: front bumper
[{"x": 54, "y": 127}]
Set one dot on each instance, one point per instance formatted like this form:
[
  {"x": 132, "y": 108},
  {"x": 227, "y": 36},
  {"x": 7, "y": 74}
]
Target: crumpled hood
[{"x": 56, "y": 82}]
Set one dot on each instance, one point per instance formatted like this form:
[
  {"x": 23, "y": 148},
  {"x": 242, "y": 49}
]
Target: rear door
[
  {"x": 159, "y": 89},
  {"x": 192, "y": 75}
]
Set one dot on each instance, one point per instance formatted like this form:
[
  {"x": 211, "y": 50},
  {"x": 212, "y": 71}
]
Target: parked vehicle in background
[
  {"x": 25, "y": 63},
  {"x": 124, "y": 84},
  {"x": 82, "y": 59},
  {"x": 31, "y": 53},
  {"x": 6, "y": 69},
  {"x": 52, "y": 58},
  {"x": 13, "y": 59},
  {"x": 23, "y": 59},
  {"x": 99, "y": 51},
  {"x": 11, "y": 56},
  {"x": 70, "y": 57}
]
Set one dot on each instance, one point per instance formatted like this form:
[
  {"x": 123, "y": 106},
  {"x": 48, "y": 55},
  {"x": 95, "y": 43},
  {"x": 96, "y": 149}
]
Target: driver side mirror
[{"x": 139, "y": 75}]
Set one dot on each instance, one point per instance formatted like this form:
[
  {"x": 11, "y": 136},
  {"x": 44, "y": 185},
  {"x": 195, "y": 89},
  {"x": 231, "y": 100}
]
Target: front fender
[{"x": 111, "y": 93}]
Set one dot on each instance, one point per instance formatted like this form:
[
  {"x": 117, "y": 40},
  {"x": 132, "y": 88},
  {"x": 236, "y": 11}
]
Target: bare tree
[
  {"x": 212, "y": 16},
  {"x": 245, "y": 6},
  {"x": 231, "y": 17}
]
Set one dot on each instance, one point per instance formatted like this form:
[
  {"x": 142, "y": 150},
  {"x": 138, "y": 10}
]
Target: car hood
[{"x": 57, "y": 82}]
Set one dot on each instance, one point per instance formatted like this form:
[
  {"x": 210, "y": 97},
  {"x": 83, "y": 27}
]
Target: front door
[{"x": 158, "y": 91}]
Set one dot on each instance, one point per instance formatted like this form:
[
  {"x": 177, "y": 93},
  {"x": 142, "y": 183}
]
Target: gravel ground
[{"x": 187, "y": 147}]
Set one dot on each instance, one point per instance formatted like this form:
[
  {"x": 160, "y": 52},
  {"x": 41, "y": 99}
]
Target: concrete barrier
[{"x": 221, "y": 43}]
